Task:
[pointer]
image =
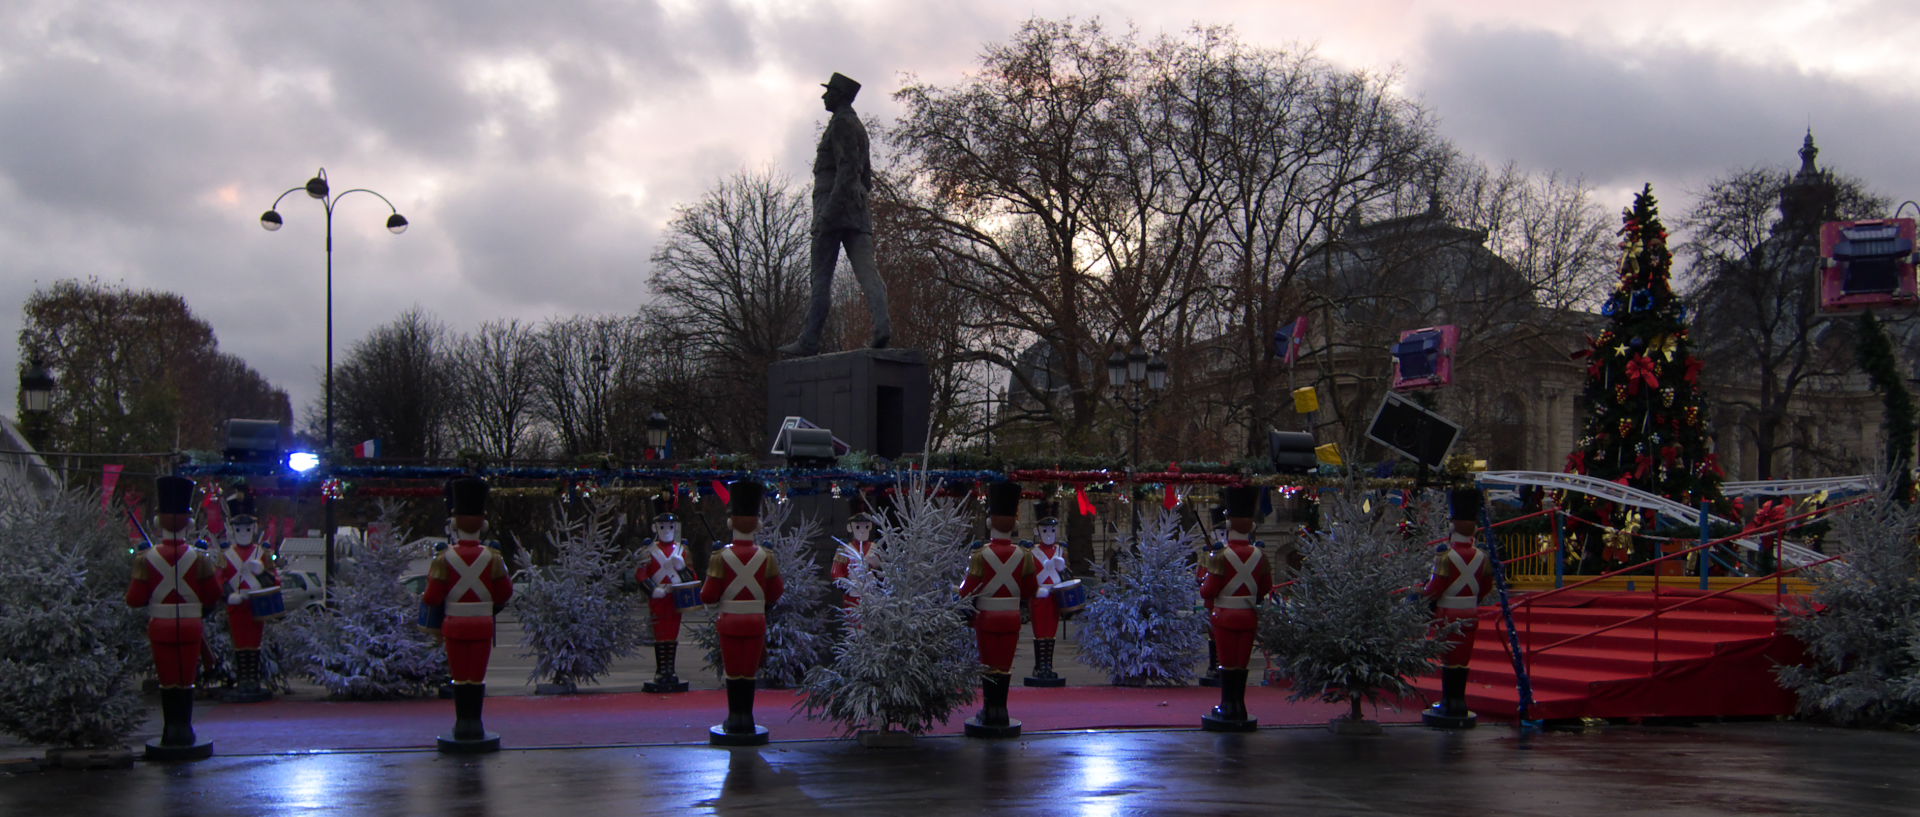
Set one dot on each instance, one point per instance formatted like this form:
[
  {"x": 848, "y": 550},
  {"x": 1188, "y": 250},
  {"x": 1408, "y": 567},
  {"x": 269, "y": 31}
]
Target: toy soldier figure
[
  {"x": 842, "y": 183},
  {"x": 855, "y": 555},
  {"x": 1202, "y": 553},
  {"x": 175, "y": 583},
  {"x": 662, "y": 564},
  {"x": 1462, "y": 573},
  {"x": 470, "y": 580},
  {"x": 246, "y": 567},
  {"x": 1000, "y": 575},
  {"x": 1051, "y": 558},
  {"x": 1238, "y": 577},
  {"x": 744, "y": 580}
]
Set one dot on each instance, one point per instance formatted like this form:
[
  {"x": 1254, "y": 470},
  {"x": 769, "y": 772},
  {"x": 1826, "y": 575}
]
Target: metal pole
[
  {"x": 1706, "y": 565},
  {"x": 326, "y": 499},
  {"x": 1559, "y": 553}
]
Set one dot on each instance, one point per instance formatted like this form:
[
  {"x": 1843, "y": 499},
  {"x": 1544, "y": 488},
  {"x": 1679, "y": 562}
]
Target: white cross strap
[
  {"x": 743, "y": 583},
  {"x": 1240, "y": 583},
  {"x": 1463, "y": 592},
  {"x": 170, "y": 583},
  {"x": 469, "y": 577}
]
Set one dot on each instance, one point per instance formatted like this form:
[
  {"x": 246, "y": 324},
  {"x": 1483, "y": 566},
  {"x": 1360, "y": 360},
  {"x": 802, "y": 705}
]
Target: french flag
[
  {"x": 1287, "y": 340},
  {"x": 367, "y": 450}
]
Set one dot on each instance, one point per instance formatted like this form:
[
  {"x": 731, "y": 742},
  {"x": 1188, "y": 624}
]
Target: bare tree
[
  {"x": 584, "y": 375},
  {"x": 1754, "y": 238},
  {"x": 732, "y": 279},
  {"x": 395, "y": 385},
  {"x": 495, "y": 372}
]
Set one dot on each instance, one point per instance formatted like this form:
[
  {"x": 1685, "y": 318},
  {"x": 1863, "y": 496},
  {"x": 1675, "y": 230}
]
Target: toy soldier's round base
[
  {"x": 1438, "y": 719},
  {"x": 670, "y": 685},
  {"x": 1037, "y": 681},
  {"x": 198, "y": 750},
  {"x": 976, "y": 729},
  {"x": 247, "y": 696},
  {"x": 488, "y": 742},
  {"x": 1209, "y": 680},
  {"x": 717, "y": 736},
  {"x": 1216, "y": 724}
]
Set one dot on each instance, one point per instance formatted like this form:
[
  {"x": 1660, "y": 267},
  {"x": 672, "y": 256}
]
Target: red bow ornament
[
  {"x": 1577, "y": 462},
  {"x": 1693, "y": 370},
  {"x": 1641, "y": 370}
]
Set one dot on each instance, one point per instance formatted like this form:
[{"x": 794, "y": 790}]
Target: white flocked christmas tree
[
  {"x": 1144, "y": 625},
  {"x": 70, "y": 650},
  {"x": 1862, "y": 631},
  {"x": 369, "y": 645},
  {"x": 908, "y": 659},
  {"x": 1352, "y": 627},
  {"x": 574, "y": 619}
]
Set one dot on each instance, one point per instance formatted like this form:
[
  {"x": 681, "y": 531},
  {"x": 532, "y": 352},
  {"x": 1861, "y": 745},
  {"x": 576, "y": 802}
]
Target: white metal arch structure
[
  {"x": 1792, "y": 554},
  {"x": 1797, "y": 487}
]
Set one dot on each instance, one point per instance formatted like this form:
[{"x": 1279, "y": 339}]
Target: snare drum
[
  {"x": 267, "y": 603},
  {"x": 431, "y": 615},
  {"x": 686, "y": 595},
  {"x": 1069, "y": 597}
]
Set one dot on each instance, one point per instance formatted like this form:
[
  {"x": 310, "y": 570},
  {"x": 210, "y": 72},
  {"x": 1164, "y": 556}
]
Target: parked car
[{"x": 300, "y": 589}]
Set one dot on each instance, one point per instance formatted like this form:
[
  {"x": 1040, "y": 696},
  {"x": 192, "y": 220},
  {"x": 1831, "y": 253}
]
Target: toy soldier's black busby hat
[
  {"x": 1046, "y": 513},
  {"x": 745, "y": 497},
  {"x": 1465, "y": 503},
  {"x": 663, "y": 510},
  {"x": 1003, "y": 499},
  {"x": 240, "y": 504},
  {"x": 842, "y": 82},
  {"x": 467, "y": 496},
  {"x": 858, "y": 510},
  {"x": 1243, "y": 501},
  {"x": 173, "y": 495}
]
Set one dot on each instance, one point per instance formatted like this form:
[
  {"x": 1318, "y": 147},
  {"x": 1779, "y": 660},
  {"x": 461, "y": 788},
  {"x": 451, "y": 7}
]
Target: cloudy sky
[{"x": 540, "y": 148}]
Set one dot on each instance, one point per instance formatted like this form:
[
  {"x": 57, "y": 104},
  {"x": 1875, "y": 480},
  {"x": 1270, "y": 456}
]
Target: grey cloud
[{"x": 1623, "y": 113}]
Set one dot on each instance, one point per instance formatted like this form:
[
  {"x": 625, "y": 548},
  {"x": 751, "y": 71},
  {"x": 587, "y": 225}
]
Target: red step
[{"x": 1710, "y": 658}]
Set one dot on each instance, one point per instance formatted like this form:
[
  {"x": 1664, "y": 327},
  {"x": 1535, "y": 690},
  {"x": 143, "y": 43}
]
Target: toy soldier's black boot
[
  {"x": 470, "y": 735},
  {"x": 738, "y": 729},
  {"x": 246, "y": 670},
  {"x": 1043, "y": 674},
  {"x": 993, "y": 720},
  {"x": 1231, "y": 714},
  {"x": 664, "y": 679},
  {"x": 1451, "y": 712},
  {"x": 1212, "y": 678},
  {"x": 177, "y": 741}
]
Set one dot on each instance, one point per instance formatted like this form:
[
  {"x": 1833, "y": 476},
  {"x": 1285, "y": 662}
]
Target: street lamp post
[
  {"x": 317, "y": 189},
  {"x": 1137, "y": 377},
  {"x": 36, "y": 401},
  {"x": 657, "y": 435}
]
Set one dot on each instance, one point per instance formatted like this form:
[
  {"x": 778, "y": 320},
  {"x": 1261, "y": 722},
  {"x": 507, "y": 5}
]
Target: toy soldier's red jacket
[
  {"x": 234, "y": 577},
  {"x": 1461, "y": 575},
  {"x": 744, "y": 579},
  {"x": 999, "y": 576},
  {"x": 843, "y": 558},
  {"x": 174, "y": 581},
  {"x": 657, "y": 564},
  {"x": 1048, "y": 559},
  {"x": 471, "y": 580},
  {"x": 1238, "y": 577}
]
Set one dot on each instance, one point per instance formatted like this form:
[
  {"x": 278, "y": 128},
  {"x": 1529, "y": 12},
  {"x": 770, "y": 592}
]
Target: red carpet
[
  {"x": 595, "y": 720},
  {"x": 1710, "y": 659}
]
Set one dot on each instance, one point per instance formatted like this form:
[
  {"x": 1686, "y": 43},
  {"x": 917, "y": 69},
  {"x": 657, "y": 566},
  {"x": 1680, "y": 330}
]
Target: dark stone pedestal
[
  {"x": 717, "y": 736},
  {"x": 875, "y": 400},
  {"x": 976, "y": 729},
  {"x": 198, "y": 750},
  {"x": 1437, "y": 718},
  {"x": 1216, "y": 724},
  {"x": 488, "y": 742}
]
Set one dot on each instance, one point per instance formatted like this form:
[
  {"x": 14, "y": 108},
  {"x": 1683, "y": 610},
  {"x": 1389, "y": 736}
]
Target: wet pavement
[{"x": 1744, "y": 768}]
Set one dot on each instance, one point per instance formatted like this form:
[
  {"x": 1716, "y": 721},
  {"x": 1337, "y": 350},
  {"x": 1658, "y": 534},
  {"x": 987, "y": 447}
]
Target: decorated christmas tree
[
  {"x": 801, "y": 628},
  {"x": 70, "y": 650},
  {"x": 1144, "y": 625},
  {"x": 1648, "y": 429},
  {"x": 1352, "y": 626},
  {"x": 1861, "y": 632},
  {"x": 369, "y": 646},
  {"x": 908, "y": 658},
  {"x": 574, "y": 620}
]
